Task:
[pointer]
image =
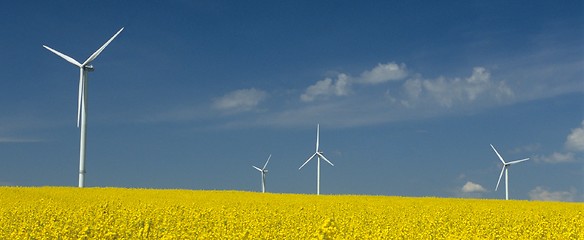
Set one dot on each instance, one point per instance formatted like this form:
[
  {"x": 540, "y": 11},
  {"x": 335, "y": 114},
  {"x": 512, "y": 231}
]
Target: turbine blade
[
  {"x": 257, "y": 168},
  {"x": 317, "y": 135},
  {"x": 499, "y": 155},
  {"x": 80, "y": 96},
  {"x": 500, "y": 175},
  {"x": 69, "y": 59},
  {"x": 518, "y": 161},
  {"x": 307, "y": 160},
  {"x": 96, "y": 53},
  {"x": 266, "y": 164},
  {"x": 322, "y": 156}
]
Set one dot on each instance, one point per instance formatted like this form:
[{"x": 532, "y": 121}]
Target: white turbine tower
[
  {"x": 319, "y": 155},
  {"x": 506, "y": 170},
  {"x": 84, "y": 68},
  {"x": 264, "y": 171}
]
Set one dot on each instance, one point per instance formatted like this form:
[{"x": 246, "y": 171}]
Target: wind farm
[
  {"x": 86, "y": 67},
  {"x": 179, "y": 102}
]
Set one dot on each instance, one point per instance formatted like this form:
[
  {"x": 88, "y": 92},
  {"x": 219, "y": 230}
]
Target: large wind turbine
[
  {"x": 264, "y": 171},
  {"x": 84, "y": 68},
  {"x": 506, "y": 170},
  {"x": 319, "y": 155}
]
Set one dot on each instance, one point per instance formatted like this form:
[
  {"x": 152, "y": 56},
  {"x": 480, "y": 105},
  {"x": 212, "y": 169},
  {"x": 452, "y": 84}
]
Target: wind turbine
[
  {"x": 506, "y": 170},
  {"x": 264, "y": 171},
  {"x": 84, "y": 68},
  {"x": 319, "y": 155}
]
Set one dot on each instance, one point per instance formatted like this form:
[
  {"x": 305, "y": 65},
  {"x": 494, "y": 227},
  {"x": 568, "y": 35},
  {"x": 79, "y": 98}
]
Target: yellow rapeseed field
[{"x": 115, "y": 213}]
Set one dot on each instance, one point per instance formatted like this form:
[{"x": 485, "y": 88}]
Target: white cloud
[
  {"x": 341, "y": 86},
  {"x": 328, "y": 87},
  {"x": 556, "y": 157},
  {"x": 359, "y": 102},
  {"x": 448, "y": 92},
  {"x": 391, "y": 92},
  {"x": 444, "y": 92},
  {"x": 471, "y": 187},
  {"x": 383, "y": 73},
  {"x": 543, "y": 194},
  {"x": 573, "y": 145},
  {"x": 240, "y": 100},
  {"x": 575, "y": 141},
  {"x": 469, "y": 190}
]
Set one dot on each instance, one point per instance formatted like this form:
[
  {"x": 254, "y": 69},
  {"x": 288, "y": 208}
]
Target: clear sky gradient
[{"x": 408, "y": 94}]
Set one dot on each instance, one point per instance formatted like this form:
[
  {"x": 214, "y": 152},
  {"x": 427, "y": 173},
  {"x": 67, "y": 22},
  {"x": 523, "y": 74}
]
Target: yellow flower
[{"x": 116, "y": 213}]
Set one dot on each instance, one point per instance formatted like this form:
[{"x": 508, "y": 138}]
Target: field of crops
[{"x": 114, "y": 213}]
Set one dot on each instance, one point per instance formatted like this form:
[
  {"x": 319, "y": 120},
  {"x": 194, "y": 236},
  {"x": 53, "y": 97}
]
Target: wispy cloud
[
  {"x": 556, "y": 157},
  {"x": 450, "y": 92},
  {"x": 234, "y": 102},
  {"x": 389, "y": 92},
  {"x": 394, "y": 92},
  {"x": 347, "y": 112},
  {"x": 573, "y": 147},
  {"x": 15, "y": 129},
  {"x": 370, "y": 99},
  {"x": 544, "y": 194},
  {"x": 531, "y": 148},
  {"x": 240, "y": 100}
]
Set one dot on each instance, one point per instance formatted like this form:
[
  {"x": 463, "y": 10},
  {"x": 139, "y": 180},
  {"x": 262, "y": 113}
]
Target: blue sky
[{"x": 409, "y": 95}]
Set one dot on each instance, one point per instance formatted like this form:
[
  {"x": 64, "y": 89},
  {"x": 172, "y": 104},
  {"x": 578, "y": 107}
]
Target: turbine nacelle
[
  {"x": 88, "y": 68},
  {"x": 263, "y": 171}
]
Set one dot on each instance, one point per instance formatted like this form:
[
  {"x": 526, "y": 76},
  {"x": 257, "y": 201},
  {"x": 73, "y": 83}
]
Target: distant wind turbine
[
  {"x": 84, "y": 68},
  {"x": 319, "y": 155},
  {"x": 264, "y": 171},
  {"x": 506, "y": 170}
]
